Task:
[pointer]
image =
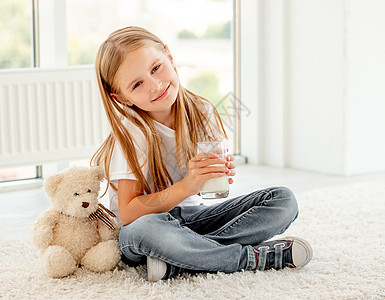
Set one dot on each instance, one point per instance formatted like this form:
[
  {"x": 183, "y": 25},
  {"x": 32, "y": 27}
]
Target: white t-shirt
[{"x": 119, "y": 168}]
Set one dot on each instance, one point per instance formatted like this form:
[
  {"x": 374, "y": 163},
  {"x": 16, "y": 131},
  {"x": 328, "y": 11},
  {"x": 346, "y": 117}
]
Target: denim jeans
[{"x": 212, "y": 238}]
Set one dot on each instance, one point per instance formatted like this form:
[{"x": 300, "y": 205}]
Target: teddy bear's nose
[{"x": 85, "y": 204}]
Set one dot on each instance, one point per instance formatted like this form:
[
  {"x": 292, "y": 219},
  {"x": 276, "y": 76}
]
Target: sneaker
[
  {"x": 156, "y": 269},
  {"x": 291, "y": 252}
]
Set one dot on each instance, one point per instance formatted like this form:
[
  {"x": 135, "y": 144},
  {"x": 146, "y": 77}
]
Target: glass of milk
[{"x": 215, "y": 187}]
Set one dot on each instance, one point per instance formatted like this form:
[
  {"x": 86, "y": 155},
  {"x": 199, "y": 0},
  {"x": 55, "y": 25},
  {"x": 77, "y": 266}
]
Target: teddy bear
[{"x": 76, "y": 230}]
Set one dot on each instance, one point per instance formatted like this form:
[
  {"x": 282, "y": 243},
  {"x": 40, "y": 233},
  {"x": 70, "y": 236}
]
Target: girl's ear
[
  {"x": 169, "y": 54},
  {"x": 120, "y": 99}
]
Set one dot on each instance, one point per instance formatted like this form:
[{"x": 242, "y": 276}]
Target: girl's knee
[
  {"x": 147, "y": 227},
  {"x": 130, "y": 233},
  {"x": 286, "y": 199},
  {"x": 281, "y": 192},
  {"x": 133, "y": 240},
  {"x": 147, "y": 234}
]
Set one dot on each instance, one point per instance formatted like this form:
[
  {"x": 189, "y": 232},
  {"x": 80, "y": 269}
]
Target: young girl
[{"x": 155, "y": 174}]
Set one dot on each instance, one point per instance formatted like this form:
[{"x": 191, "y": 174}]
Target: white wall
[
  {"x": 366, "y": 86},
  {"x": 316, "y": 99},
  {"x": 320, "y": 103}
]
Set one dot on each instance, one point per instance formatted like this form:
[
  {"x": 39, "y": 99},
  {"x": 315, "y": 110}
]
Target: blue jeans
[{"x": 211, "y": 238}]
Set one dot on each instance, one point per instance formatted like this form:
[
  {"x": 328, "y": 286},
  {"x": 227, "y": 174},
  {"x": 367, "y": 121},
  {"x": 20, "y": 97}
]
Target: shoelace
[{"x": 262, "y": 256}]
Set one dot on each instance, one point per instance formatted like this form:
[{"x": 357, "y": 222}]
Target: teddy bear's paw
[
  {"x": 58, "y": 262},
  {"x": 102, "y": 257}
]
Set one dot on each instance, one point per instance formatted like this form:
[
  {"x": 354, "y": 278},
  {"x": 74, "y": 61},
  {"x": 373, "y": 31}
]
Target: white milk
[
  {"x": 217, "y": 184},
  {"x": 215, "y": 187}
]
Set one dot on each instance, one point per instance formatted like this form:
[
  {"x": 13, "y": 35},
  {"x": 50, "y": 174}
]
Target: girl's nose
[{"x": 155, "y": 86}]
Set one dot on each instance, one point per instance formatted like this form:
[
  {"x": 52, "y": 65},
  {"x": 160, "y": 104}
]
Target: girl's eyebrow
[{"x": 150, "y": 68}]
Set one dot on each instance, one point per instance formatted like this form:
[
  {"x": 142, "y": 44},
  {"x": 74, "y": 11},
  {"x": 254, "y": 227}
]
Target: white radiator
[{"x": 49, "y": 116}]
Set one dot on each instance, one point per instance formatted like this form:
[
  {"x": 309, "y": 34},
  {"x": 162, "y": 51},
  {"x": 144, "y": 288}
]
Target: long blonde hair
[{"x": 192, "y": 122}]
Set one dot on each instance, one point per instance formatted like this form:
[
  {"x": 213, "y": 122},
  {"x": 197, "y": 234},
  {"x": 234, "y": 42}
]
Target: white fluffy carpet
[{"x": 345, "y": 225}]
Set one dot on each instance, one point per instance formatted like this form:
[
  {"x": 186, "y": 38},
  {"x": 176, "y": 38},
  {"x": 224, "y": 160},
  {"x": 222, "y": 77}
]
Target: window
[
  {"x": 25, "y": 172},
  {"x": 15, "y": 34},
  {"x": 199, "y": 35},
  {"x": 16, "y": 52}
]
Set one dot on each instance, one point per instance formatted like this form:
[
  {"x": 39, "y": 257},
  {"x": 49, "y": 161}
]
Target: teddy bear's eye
[
  {"x": 76, "y": 194},
  {"x": 88, "y": 191}
]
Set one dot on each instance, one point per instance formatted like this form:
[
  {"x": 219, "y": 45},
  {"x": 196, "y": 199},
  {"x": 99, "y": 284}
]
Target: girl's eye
[
  {"x": 76, "y": 194},
  {"x": 155, "y": 69},
  {"x": 136, "y": 85},
  {"x": 88, "y": 191}
]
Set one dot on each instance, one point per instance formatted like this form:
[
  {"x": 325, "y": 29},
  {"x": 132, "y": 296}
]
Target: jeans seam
[
  {"x": 207, "y": 239},
  {"x": 223, "y": 211},
  {"x": 130, "y": 246},
  {"x": 234, "y": 222}
]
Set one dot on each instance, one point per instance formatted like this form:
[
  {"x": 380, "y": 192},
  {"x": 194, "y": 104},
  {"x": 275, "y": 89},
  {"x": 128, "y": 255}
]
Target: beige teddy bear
[{"x": 76, "y": 230}]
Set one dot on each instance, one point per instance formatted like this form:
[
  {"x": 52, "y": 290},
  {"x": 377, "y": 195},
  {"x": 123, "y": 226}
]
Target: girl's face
[{"x": 147, "y": 79}]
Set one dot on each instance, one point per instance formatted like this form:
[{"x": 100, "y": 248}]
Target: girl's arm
[{"x": 133, "y": 204}]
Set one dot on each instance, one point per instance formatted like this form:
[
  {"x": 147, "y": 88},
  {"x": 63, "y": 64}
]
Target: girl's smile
[
  {"x": 147, "y": 79},
  {"x": 163, "y": 94}
]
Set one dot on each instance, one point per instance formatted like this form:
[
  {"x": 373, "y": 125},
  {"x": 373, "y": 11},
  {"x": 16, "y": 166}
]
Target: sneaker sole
[{"x": 302, "y": 252}]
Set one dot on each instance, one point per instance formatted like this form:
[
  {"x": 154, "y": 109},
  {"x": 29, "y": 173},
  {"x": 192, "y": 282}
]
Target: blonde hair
[{"x": 192, "y": 122}]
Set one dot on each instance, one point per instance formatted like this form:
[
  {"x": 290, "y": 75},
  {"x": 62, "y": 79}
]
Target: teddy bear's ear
[
  {"x": 98, "y": 172},
  {"x": 51, "y": 184}
]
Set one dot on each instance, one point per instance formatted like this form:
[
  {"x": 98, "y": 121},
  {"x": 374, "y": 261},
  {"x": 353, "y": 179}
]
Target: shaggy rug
[{"x": 344, "y": 224}]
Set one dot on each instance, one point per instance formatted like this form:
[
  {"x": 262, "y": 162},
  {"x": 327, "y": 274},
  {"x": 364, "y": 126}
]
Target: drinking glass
[{"x": 214, "y": 187}]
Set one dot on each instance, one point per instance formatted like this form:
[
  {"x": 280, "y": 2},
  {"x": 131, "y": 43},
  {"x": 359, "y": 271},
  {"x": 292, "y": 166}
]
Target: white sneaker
[{"x": 156, "y": 269}]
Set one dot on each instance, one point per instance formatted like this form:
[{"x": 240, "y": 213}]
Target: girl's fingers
[
  {"x": 212, "y": 175},
  {"x": 211, "y": 161},
  {"x": 196, "y": 161},
  {"x": 230, "y": 173},
  {"x": 230, "y": 165},
  {"x": 205, "y": 159},
  {"x": 204, "y": 164},
  {"x": 213, "y": 169},
  {"x": 203, "y": 155},
  {"x": 230, "y": 157}
]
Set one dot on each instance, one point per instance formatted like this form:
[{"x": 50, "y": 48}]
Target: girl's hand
[
  {"x": 230, "y": 166},
  {"x": 200, "y": 168}
]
